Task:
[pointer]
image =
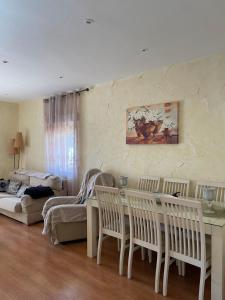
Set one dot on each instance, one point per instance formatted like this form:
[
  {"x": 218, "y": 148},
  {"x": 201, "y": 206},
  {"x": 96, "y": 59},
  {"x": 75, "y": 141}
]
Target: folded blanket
[
  {"x": 39, "y": 191},
  {"x": 36, "y": 174}
]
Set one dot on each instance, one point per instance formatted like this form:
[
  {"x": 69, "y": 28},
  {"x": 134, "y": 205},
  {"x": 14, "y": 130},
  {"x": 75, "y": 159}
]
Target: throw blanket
[
  {"x": 33, "y": 173},
  {"x": 84, "y": 190},
  {"x": 39, "y": 191}
]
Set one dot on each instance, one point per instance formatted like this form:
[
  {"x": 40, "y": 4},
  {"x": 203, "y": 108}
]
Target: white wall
[{"x": 8, "y": 129}]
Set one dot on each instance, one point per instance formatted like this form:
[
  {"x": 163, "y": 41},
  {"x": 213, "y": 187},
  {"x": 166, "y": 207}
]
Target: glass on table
[
  {"x": 123, "y": 183},
  {"x": 208, "y": 195}
]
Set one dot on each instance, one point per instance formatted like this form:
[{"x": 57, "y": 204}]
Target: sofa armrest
[
  {"x": 26, "y": 200},
  {"x": 54, "y": 201}
]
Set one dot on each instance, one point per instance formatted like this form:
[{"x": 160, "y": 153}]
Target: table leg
[
  {"x": 91, "y": 231},
  {"x": 218, "y": 263}
]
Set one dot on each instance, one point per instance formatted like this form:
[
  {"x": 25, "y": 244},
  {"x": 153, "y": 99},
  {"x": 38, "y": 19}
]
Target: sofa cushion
[
  {"x": 21, "y": 190},
  {"x": 5, "y": 195},
  {"x": 54, "y": 182},
  {"x": 4, "y": 185},
  {"x": 12, "y": 204},
  {"x": 13, "y": 187},
  {"x": 24, "y": 179}
]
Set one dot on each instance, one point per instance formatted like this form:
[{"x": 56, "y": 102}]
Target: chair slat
[
  {"x": 149, "y": 183},
  {"x": 171, "y": 186}
]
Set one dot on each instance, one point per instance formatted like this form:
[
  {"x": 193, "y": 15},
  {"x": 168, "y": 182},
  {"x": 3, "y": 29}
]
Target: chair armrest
[
  {"x": 54, "y": 201},
  {"x": 64, "y": 214}
]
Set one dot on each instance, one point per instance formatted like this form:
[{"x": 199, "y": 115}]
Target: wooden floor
[{"x": 31, "y": 268}]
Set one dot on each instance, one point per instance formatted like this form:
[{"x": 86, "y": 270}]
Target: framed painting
[{"x": 153, "y": 124}]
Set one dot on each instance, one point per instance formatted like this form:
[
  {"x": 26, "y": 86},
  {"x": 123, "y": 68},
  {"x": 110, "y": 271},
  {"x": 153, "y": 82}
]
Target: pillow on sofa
[
  {"x": 13, "y": 187},
  {"x": 21, "y": 190},
  {"x": 3, "y": 185},
  {"x": 39, "y": 191}
]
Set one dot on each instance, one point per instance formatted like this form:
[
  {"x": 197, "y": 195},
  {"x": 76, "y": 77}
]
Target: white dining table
[{"x": 214, "y": 226}]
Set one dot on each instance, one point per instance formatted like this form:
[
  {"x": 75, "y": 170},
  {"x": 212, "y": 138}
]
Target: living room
[{"x": 93, "y": 94}]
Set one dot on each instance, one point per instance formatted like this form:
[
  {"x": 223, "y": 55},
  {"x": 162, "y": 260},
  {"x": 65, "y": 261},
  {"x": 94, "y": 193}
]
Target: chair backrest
[
  {"x": 144, "y": 218},
  {"x": 111, "y": 211},
  {"x": 149, "y": 183},
  {"x": 171, "y": 186},
  {"x": 184, "y": 229},
  {"x": 219, "y": 190}
]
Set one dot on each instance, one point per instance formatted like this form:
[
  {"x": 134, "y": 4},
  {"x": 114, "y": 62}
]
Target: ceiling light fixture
[
  {"x": 144, "y": 50},
  {"x": 89, "y": 21},
  {"x": 61, "y": 77},
  {"x": 5, "y": 61}
]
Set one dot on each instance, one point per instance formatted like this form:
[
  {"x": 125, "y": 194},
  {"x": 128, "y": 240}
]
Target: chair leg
[
  {"x": 122, "y": 250},
  {"x": 130, "y": 260},
  {"x": 149, "y": 256},
  {"x": 166, "y": 274},
  {"x": 142, "y": 253},
  {"x": 178, "y": 262},
  {"x": 202, "y": 284},
  {"x": 157, "y": 273},
  {"x": 100, "y": 239},
  {"x": 183, "y": 268},
  {"x": 118, "y": 245}
]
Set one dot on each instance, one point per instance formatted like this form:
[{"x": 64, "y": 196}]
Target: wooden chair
[
  {"x": 111, "y": 220},
  {"x": 144, "y": 228},
  {"x": 171, "y": 186},
  {"x": 185, "y": 237},
  {"x": 149, "y": 183},
  {"x": 219, "y": 187}
]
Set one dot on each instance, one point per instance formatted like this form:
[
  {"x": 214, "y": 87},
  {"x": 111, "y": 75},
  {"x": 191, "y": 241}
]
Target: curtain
[{"x": 62, "y": 137}]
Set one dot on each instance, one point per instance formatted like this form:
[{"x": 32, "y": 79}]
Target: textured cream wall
[
  {"x": 31, "y": 124},
  {"x": 8, "y": 129},
  {"x": 200, "y": 88}
]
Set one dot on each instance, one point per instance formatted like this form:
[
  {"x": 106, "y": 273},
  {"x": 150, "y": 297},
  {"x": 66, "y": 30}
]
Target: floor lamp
[
  {"x": 19, "y": 144},
  {"x": 13, "y": 151}
]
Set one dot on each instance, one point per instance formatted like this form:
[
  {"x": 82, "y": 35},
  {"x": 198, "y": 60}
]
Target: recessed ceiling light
[
  {"x": 144, "y": 50},
  {"x": 61, "y": 77},
  {"x": 5, "y": 61},
  {"x": 89, "y": 21}
]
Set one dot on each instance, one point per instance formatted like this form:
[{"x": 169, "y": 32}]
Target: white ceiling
[{"x": 43, "y": 39}]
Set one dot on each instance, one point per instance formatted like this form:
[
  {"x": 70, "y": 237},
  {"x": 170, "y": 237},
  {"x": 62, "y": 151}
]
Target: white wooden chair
[
  {"x": 111, "y": 220},
  {"x": 185, "y": 237},
  {"x": 144, "y": 228},
  {"x": 149, "y": 183},
  {"x": 219, "y": 187},
  {"x": 171, "y": 186}
]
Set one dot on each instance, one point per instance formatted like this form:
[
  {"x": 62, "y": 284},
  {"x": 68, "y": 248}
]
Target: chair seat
[
  {"x": 106, "y": 230},
  {"x": 149, "y": 246}
]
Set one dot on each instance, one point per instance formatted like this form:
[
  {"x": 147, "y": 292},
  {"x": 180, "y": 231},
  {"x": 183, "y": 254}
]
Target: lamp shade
[
  {"x": 12, "y": 149},
  {"x": 19, "y": 141}
]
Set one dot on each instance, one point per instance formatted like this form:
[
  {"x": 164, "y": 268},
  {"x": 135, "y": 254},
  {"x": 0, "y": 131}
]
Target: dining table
[{"x": 214, "y": 226}]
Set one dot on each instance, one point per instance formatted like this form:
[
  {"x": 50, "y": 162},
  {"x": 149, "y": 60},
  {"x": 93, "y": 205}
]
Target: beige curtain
[{"x": 62, "y": 137}]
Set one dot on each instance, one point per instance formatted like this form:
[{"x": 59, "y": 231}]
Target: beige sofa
[{"x": 26, "y": 209}]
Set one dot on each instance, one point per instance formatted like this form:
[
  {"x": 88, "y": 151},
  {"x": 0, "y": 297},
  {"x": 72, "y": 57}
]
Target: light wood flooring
[{"x": 33, "y": 269}]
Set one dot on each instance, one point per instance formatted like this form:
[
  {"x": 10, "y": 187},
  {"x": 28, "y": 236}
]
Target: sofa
[{"x": 26, "y": 209}]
